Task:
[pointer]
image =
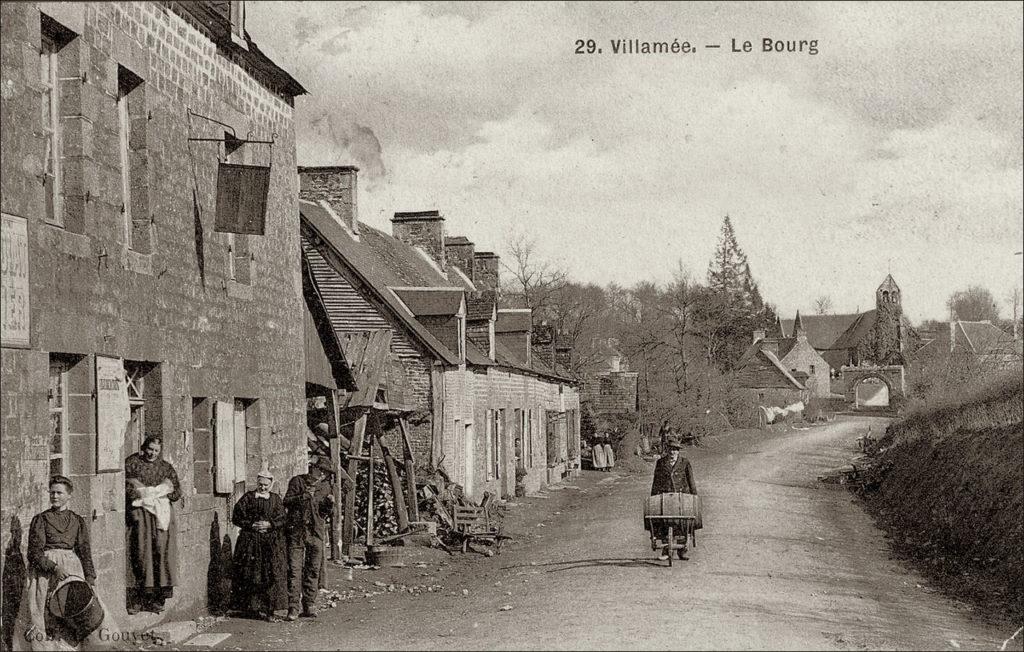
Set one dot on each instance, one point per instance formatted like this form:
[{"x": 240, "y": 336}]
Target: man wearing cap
[
  {"x": 260, "y": 565},
  {"x": 673, "y": 474},
  {"x": 309, "y": 501}
]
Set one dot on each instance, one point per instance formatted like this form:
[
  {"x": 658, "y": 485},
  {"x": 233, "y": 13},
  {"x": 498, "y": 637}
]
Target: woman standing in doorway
[{"x": 151, "y": 487}]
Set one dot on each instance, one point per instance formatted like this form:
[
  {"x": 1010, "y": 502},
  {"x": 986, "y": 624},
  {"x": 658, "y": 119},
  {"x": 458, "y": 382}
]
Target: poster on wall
[
  {"x": 112, "y": 413},
  {"x": 14, "y": 322}
]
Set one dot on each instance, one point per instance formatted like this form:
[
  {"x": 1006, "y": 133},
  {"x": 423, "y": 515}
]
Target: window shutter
[
  {"x": 224, "y": 448},
  {"x": 112, "y": 413}
]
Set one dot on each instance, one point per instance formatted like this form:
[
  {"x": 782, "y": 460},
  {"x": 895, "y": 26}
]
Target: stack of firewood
[
  {"x": 438, "y": 497},
  {"x": 385, "y": 516}
]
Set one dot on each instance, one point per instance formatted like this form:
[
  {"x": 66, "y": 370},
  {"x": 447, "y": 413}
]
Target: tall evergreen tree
[
  {"x": 728, "y": 271},
  {"x": 741, "y": 307}
]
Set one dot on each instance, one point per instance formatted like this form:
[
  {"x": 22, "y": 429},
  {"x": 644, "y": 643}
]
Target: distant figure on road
[
  {"x": 672, "y": 474},
  {"x": 600, "y": 459},
  {"x": 609, "y": 455}
]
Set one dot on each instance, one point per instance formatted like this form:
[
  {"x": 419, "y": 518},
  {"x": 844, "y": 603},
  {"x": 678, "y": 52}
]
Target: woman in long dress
[
  {"x": 58, "y": 548},
  {"x": 151, "y": 486},
  {"x": 599, "y": 458},
  {"x": 260, "y": 582}
]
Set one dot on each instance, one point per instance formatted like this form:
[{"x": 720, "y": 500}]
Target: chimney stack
[
  {"x": 543, "y": 342},
  {"x": 485, "y": 270},
  {"x": 335, "y": 185},
  {"x": 759, "y": 335},
  {"x": 458, "y": 250},
  {"x": 423, "y": 229}
]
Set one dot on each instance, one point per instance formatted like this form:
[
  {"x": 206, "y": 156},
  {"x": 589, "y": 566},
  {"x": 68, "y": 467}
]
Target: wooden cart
[{"x": 672, "y": 519}]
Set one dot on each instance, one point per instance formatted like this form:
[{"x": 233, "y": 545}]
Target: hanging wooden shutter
[
  {"x": 224, "y": 447},
  {"x": 112, "y": 413}
]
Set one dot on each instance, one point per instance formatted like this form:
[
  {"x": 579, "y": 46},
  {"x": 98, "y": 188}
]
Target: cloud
[{"x": 899, "y": 145}]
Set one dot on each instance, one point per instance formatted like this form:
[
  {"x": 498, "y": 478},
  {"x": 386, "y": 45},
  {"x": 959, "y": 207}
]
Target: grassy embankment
[{"x": 948, "y": 485}]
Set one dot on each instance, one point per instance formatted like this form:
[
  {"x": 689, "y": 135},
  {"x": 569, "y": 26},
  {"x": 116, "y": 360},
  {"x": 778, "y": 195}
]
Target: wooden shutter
[
  {"x": 112, "y": 413},
  {"x": 224, "y": 447}
]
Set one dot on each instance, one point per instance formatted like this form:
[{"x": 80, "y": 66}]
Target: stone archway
[{"x": 893, "y": 376}]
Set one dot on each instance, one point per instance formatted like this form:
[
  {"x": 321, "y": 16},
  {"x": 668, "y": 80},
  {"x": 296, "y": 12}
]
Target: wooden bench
[{"x": 474, "y": 524}]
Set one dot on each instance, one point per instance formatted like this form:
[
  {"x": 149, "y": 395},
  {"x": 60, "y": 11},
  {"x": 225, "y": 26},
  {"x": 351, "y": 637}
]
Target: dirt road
[{"x": 784, "y": 562}]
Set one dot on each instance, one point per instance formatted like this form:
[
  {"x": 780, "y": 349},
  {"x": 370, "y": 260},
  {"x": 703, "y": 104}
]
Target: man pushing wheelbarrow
[{"x": 672, "y": 513}]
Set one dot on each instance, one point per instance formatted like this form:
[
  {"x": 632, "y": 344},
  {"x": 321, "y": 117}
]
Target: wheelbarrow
[{"x": 673, "y": 520}]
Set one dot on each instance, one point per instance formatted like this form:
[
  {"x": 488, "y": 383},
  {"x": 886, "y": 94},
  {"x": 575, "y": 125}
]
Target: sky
[{"x": 897, "y": 147}]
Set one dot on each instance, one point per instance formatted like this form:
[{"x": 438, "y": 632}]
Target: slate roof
[
  {"x": 982, "y": 337},
  {"x": 856, "y": 331},
  {"x": 389, "y": 267},
  {"x": 822, "y": 330},
  {"x": 380, "y": 261},
  {"x": 513, "y": 321},
  {"x": 785, "y": 378},
  {"x": 431, "y": 301},
  {"x": 785, "y": 345}
]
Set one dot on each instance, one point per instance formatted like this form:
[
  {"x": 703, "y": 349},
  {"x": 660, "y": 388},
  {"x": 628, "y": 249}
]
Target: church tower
[
  {"x": 888, "y": 292},
  {"x": 889, "y": 307}
]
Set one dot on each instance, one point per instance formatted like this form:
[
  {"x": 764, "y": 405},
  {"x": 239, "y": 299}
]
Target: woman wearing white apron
[
  {"x": 58, "y": 549},
  {"x": 599, "y": 459}
]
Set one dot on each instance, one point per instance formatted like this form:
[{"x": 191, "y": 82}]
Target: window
[
  {"x": 246, "y": 423},
  {"x": 496, "y": 431},
  {"x": 132, "y": 119},
  {"x": 71, "y": 405},
  {"x": 812, "y": 370},
  {"x": 202, "y": 445},
  {"x": 144, "y": 402},
  {"x": 50, "y": 100},
  {"x": 57, "y": 401},
  {"x": 489, "y": 443},
  {"x": 528, "y": 429}
]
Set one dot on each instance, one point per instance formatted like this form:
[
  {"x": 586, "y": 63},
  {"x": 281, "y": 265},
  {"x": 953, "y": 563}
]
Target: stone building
[
  {"x": 845, "y": 339},
  {"x": 473, "y": 389},
  {"x": 762, "y": 380},
  {"x": 128, "y": 313},
  {"x": 795, "y": 354},
  {"x": 609, "y": 387}
]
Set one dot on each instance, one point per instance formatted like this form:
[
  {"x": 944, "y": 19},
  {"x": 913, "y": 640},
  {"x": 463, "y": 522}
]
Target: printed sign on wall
[
  {"x": 14, "y": 323},
  {"x": 112, "y": 413}
]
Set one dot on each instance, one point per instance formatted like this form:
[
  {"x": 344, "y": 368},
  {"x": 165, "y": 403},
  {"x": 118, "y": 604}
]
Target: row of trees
[{"x": 682, "y": 337}]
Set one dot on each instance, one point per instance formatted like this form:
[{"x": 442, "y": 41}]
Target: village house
[
  {"x": 458, "y": 373},
  {"x": 796, "y": 354},
  {"x": 144, "y": 294},
  {"x": 981, "y": 343},
  {"x": 840, "y": 339},
  {"x": 763, "y": 381},
  {"x": 610, "y": 390}
]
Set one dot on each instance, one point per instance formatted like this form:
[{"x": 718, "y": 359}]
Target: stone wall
[
  {"x": 173, "y": 304},
  {"x": 611, "y": 392}
]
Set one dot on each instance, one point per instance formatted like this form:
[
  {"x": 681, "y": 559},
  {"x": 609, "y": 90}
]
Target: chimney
[
  {"x": 458, "y": 250},
  {"x": 423, "y": 229},
  {"x": 563, "y": 356},
  {"x": 544, "y": 342},
  {"x": 485, "y": 270},
  {"x": 335, "y": 185},
  {"x": 759, "y": 335}
]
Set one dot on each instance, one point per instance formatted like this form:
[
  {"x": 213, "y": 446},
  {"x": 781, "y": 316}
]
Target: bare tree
[
  {"x": 974, "y": 304},
  {"x": 823, "y": 305},
  {"x": 534, "y": 281}
]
